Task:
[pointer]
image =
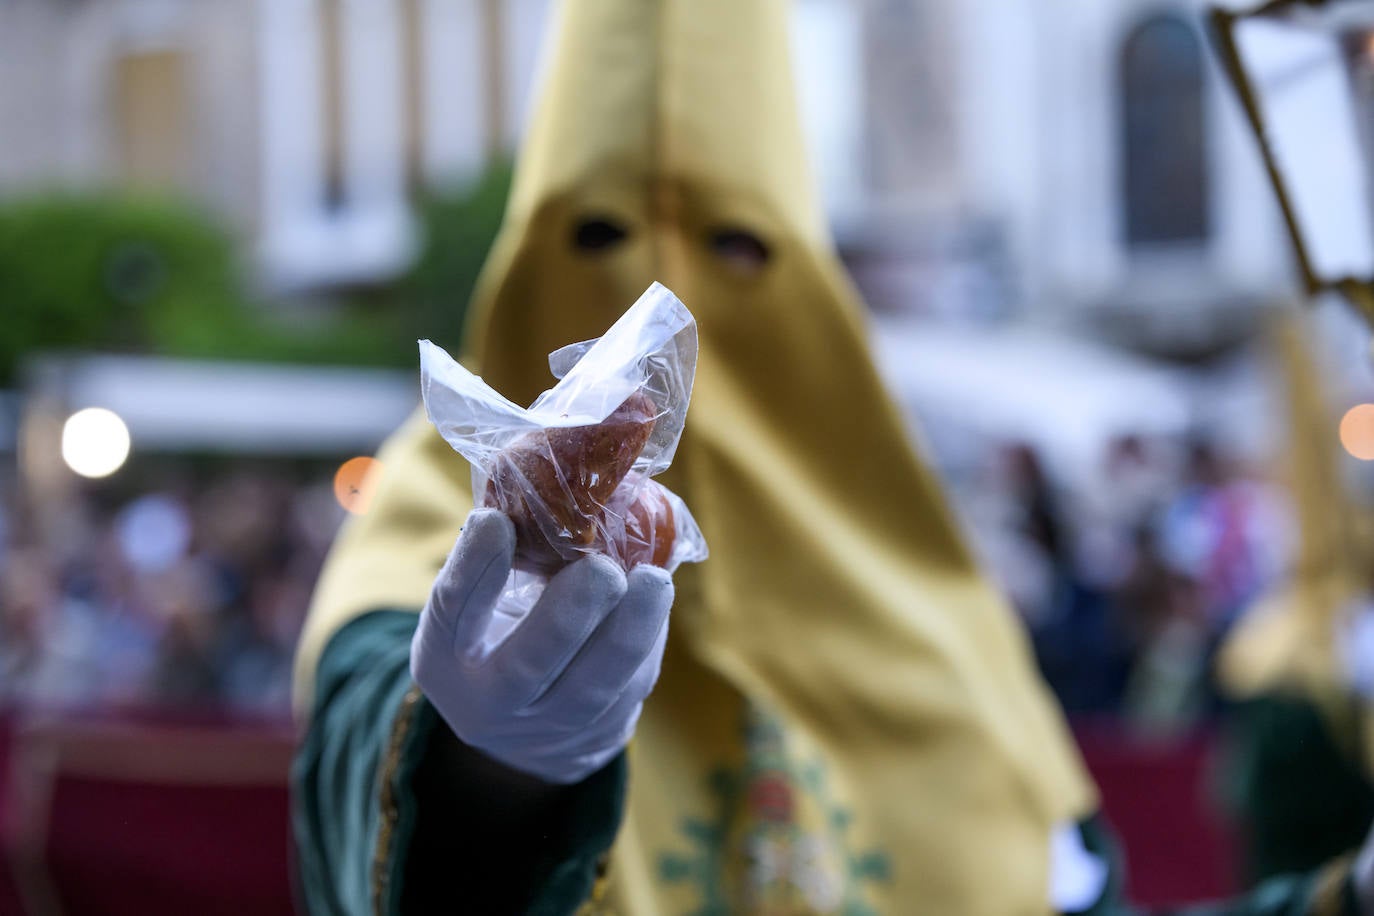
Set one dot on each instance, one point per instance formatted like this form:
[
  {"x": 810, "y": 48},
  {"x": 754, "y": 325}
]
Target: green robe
[
  {"x": 1302, "y": 797},
  {"x": 392, "y": 814}
]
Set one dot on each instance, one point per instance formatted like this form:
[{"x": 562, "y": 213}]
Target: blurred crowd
[
  {"x": 1128, "y": 580},
  {"x": 189, "y": 594}
]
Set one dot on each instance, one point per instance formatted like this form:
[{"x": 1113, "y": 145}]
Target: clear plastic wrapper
[{"x": 574, "y": 470}]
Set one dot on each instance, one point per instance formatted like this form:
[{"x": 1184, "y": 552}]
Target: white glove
[{"x": 556, "y": 693}]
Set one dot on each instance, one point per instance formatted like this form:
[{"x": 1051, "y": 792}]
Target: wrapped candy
[{"x": 574, "y": 470}]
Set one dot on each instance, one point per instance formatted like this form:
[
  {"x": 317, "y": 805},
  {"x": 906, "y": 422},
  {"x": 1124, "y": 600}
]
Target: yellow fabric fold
[{"x": 1287, "y": 643}]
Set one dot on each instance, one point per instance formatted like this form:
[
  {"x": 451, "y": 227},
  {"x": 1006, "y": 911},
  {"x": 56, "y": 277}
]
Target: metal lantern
[{"x": 1304, "y": 72}]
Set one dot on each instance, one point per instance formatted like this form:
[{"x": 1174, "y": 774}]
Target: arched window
[{"x": 1163, "y": 156}]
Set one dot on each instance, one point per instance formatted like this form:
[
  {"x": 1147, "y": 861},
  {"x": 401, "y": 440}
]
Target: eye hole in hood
[
  {"x": 739, "y": 249},
  {"x": 598, "y": 234}
]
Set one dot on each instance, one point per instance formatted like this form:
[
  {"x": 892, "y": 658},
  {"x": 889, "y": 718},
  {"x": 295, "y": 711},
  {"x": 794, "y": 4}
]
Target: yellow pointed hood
[
  {"x": 839, "y": 599},
  {"x": 1312, "y": 464},
  {"x": 1287, "y": 642}
]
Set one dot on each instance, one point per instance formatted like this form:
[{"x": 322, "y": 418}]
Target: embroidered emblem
[{"x": 778, "y": 843}]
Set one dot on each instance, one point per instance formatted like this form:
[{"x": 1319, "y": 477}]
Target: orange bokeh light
[
  {"x": 1357, "y": 431},
  {"x": 355, "y": 482}
]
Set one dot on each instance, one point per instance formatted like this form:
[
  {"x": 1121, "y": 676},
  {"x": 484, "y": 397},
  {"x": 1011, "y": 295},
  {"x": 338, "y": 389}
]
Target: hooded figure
[
  {"x": 848, "y": 718},
  {"x": 1298, "y": 663}
]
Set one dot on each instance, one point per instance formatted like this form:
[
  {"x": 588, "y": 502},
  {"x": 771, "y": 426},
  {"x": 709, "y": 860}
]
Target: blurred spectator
[
  {"x": 183, "y": 600},
  {"x": 154, "y": 532},
  {"x": 1160, "y": 618},
  {"x": 1220, "y": 530},
  {"x": 189, "y": 595},
  {"x": 1012, "y": 522},
  {"x": 1133, "y": 485},
  {"x": 1040, "y": 519},
  {"x": 1145, "y": 594},
  {"x": 190, "y": 592},
  {"x": 1127, "y": 581},
  {"x": 1024, "y": 534},
  {"x": 27, "y": 591}
]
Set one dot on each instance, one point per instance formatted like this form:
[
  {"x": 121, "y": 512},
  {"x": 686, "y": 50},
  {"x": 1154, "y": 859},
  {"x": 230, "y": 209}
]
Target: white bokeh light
[{"x": 95, "y": 442}]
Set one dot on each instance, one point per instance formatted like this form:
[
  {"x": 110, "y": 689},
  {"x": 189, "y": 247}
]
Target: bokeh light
[
  {"x": 1357, "y": 431},
  {"x": 95, "y": 442},
  {"x": 355, "y": 482}
]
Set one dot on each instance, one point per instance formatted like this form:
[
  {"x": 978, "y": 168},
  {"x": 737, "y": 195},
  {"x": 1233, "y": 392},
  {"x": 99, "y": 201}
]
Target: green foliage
[
  {"x": 145, "y": 274},
  {"x": 119, "y": 272},
  {"x": 458, "y": 226}
]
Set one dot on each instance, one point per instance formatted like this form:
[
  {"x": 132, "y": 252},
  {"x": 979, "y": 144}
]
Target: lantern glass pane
[{"x": 1307, "y": 85}]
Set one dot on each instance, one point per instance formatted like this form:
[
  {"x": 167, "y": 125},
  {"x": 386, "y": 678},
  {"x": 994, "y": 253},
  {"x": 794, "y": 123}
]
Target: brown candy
[
  {"x": 555, "y": 483},
  {"x": 649, "y": 529}
]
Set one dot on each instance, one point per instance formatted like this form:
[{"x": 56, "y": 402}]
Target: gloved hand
[{"x": 556, "y": 693}]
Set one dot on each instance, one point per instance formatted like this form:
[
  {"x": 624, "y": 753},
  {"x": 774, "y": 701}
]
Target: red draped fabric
[
  {"x": 136, "y": 816},
  {"x": 1159, "y": 795},
  {"x": 9, "y": 891},
  {"x": 133, "y": 816}
]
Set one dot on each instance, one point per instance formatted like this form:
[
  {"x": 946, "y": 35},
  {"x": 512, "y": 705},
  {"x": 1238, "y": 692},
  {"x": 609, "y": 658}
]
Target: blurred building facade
[
  {"x": 1088, "y": 167},
  {"x": 303, "y": 122},
  {"x": 1076, "y": 160}
]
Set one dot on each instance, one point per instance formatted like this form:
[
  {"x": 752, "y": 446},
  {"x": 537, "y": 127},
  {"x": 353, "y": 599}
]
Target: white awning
[
  {"x": 1064, "y": 396},
  {"x": 186, "y": 405}
]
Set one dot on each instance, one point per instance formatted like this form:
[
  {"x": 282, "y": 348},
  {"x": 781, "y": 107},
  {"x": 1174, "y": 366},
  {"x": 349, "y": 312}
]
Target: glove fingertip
[
  {"x": 593, "y": 584},
  {"x": 650, "y": 581},
  {"x": 477, "y": 567},
  {"x": 487, "y": 536},
  {"x": 488, "y": 523},
  {"x": 602, "y": 569}
]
